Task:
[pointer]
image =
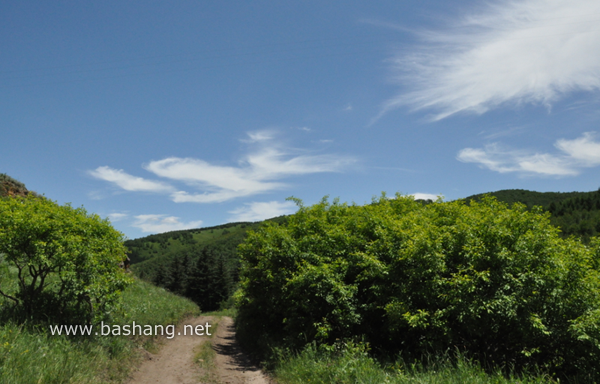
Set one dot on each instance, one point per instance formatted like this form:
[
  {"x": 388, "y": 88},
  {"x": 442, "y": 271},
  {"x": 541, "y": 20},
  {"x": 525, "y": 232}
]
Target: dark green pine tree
[
  {"x": 175, "y": 280},
  {"x": 200, "y": 281},
  {"x": 159, "y": 277},
  {"x": 185, "y": 271},
  {"x": 222, "y": 282}
]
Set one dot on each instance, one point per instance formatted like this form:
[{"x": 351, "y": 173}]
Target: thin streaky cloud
[
  {"x": 573, "y": 156},
  {"x": 259, "y": 136},
  {"x": 259, "y": 171},
  {"x": 514, "y": 52},
  {"x": 129, "y": 182}
]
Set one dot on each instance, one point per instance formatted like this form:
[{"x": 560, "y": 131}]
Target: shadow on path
[{"x": 227, "y": 345}]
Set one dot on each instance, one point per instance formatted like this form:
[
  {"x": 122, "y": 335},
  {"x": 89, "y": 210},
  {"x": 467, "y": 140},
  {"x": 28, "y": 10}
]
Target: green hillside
[
  {"x": 575, "y": 213},
  {"x": 201, "y": 264},
  {"x": 169, "y": 243},
  {"x": 530, "y": 198}
]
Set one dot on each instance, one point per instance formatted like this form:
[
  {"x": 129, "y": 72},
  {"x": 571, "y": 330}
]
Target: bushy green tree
[
  {"x": 493, "y": 281},
  {"x": 66, "y": 260}
]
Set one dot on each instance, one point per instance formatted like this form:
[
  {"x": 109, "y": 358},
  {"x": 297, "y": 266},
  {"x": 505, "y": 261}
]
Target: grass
[
  {"x": 354, "y": 366},
  {"x": 205, "y": 356},
  {"x": 34, "y": 356}
]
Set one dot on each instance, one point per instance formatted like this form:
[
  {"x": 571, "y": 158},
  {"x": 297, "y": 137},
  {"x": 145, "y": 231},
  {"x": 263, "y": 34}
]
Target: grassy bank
[
  {"x": 32, "y": 355},
  {"x": 353, "y": 365}
]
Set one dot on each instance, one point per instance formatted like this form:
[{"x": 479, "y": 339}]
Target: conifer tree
[
  {"x": 199, "y": 287},
  {"x": 159, "y": 277},
  {"x": 221, "y": 282},
  {"x": 175, "y": 282}
]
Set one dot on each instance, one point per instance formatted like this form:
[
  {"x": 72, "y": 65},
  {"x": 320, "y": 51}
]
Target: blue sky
[{"x": 172, "y": 115}]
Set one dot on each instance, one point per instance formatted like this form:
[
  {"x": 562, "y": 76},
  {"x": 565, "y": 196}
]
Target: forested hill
[
  {"x": 576, "y": 213},
  {"x": 201, "y": 264}
]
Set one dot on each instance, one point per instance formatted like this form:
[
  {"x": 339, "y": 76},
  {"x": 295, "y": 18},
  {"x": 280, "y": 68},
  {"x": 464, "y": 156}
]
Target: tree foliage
[
  {"x": 495, "y": 282},
  {"x": 66, "y": 260}
]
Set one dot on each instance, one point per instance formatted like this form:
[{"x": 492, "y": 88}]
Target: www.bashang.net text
[{"x": 130, "y": 330}]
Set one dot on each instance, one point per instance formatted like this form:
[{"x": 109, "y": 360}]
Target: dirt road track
[{"x": 174, "y": 364}]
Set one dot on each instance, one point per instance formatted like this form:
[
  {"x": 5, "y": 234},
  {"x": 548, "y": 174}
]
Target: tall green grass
[
  {"x": 353, "y": 365},
  {"x": 31, "y": 355}
]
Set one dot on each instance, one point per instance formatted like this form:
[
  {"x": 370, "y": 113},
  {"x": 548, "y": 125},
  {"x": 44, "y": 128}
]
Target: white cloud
[
  {"x": 257, "y": 172},
  {"x": 222, "y": 182},
  {"x": 425, "y": 196},
  {"x": 129, "y": 182},
  {"x": 114, "y": 217},
  {"x": 584, "y": 149},
  {"x": 257, "y": 211},
  {"x": 573, "y": 156},
  {"x": 530, "y": 51},
  {"x": 162, "y": 223}
]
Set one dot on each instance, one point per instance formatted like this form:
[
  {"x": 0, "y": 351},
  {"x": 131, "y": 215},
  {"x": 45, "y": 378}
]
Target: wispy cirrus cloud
[
  {"x": 530, "y": 51},
  {"x": 129, "y": 182},
  {"x": 259, "y": 171},
  {"x": 573, "y": 156},
  {"x": 162, "y": 223},
  {"x": 257, "y": 211}
]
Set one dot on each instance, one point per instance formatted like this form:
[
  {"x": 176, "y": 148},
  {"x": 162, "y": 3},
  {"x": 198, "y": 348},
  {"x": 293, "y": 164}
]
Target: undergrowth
[
  {"x": 31, "y": 354},
  {"x": 205, "y": 354},
  {"x": 352, "y": 364}
]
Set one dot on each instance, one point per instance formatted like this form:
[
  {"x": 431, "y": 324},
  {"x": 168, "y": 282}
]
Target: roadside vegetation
[
  {"x": 352, "y": 363},
  {"x": 500, "y": 289},
  {"x": 30, "y": 354},
  {"x": 205, "y": 355},
  {"x": 61, "y": 266},
  {"x": 480, "y": 285}
]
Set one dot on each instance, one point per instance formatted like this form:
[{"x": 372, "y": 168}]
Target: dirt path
[
  {"x": 174, "y": 364},
  {"x": 233, "y": 367}
]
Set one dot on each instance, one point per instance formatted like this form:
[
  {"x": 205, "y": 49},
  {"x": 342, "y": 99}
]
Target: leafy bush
[
  {"x": 494, "y": 282},
  {"x": 66, "y": 260}
]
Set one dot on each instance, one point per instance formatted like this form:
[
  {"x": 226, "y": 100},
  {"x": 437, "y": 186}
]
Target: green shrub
[
  {"x": 67, "y": 261},
  {"x": 494, "y": 282}
]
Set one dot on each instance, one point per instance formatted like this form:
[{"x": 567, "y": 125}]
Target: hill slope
[
  {"x": 11, "y": 187},
  {"x": 575, "y": 213}
]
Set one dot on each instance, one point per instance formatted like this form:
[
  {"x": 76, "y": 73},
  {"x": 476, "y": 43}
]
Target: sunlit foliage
[{"x": 492, "y": 281}]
